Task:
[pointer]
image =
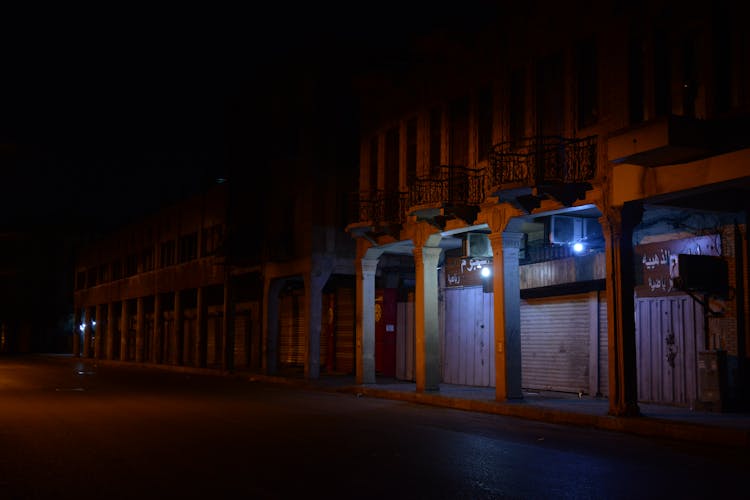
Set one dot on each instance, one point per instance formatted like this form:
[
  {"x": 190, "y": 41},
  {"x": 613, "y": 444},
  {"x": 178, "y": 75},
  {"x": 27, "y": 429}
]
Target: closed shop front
[
  {"x": 468, "y": 357},
  {"x": 214, "y": 336},
  {"x": 291, "y": 324},
  {"x": 344, "y": 330},
  {"x": 561, "y": 343},
  {"x": 405, "y": 339}
]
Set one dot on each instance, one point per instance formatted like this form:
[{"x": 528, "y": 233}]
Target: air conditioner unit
[
  {"x": 700, "y": 273},
  {"x": 565, "y": 230},
  {"x": 477, "y": 245}
]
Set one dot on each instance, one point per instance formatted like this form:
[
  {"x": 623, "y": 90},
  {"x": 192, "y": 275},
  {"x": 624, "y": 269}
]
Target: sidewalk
[{"x": 669, "y": 422}]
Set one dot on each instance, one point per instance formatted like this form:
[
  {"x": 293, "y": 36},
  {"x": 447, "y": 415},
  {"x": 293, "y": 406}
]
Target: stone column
[
  {"x": 86, "y": 322},
  {"x": 502, "y": 220},
  {"x": 99, "y": 331},
  {"x": 507, "y": 305},
  {"x": 617, "y": 226},
  {"x": 427, "y": 324},
  {"x": 365, "y": 335},
  {"x": 200, "y": 334},
  {"x": 124, "y": 331},
  {"x": 110, "y": 347},
  {"x": 77, "y": 332},
  {"x": 227, "y": 329},
  {"x": 176, "y": 340},
  {"x": 322, "y": 267},
  {"x": 140, "y": 320},
  {"x": 156, "y": 337}
]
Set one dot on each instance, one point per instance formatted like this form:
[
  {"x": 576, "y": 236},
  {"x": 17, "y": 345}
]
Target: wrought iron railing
[
  {"x": 454, "y": 185},
  {"x": 534, "y": 161},
  {"x": 379, "y": 207}
]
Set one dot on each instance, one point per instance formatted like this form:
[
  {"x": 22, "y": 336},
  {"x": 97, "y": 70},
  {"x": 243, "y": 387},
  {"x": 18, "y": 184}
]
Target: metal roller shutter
[
  {"x": 344, "y": 330},
  {"x": 291, "y": 323},
  {"x": 241, "y": 338},
  {"x": 555, "y": 343},
  {"x": 603, "y": 346},
  {"x": 214, "y": 340}
]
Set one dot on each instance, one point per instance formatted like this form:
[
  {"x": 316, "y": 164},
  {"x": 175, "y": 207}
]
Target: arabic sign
[
  {"x": 465, "y": 271},
  {"x": 656, "y": 263}
]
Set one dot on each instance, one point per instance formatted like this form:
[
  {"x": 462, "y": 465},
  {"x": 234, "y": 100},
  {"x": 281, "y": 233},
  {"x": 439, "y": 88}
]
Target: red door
[{"x": 385, "y": 332}]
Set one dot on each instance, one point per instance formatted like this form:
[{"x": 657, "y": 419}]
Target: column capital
[
  {"x": 369, "y": 266},
  {"x": 498, "y": 216},
  {"x": 512, "y": 239},
  {"x": 423, "y": 234}
]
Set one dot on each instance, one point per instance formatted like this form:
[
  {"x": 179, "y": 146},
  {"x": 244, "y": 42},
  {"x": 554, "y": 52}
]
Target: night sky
[{"x": 107, "y": 115}]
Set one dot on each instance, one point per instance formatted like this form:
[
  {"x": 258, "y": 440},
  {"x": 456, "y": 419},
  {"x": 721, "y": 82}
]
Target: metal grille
[
  {"x": 543, "y": 160},
  {"x": 455, "y": 185},
  {"x": 379, "y": 207}
]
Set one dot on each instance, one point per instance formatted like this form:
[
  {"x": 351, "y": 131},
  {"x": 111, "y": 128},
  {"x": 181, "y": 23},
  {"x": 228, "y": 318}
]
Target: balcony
[
  {"x": 534, "y": 168},
  {"x": 664, "y": 141},
  {"x": 449, "y": 191},
  {"x": 377, "y": 207}
]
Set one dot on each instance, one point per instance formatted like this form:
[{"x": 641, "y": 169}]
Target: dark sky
[{"x": 106, "y": 114}]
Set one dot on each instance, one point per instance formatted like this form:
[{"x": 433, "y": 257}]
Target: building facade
[{"x": 596, "y": 162}]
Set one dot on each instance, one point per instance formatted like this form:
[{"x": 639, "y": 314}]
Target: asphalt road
[{"x": 72, "y": 429}]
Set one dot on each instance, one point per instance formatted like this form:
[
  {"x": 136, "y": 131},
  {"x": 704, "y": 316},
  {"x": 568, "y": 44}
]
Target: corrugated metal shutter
[
  {"x": 167, "y": 337},
  {"x": 405, "y": 340},
  {"x": 241, "y": 338},
  {"x": 668, "y": 332},
  {"x": 344, "y": 330},
  {"x": 148, "y": 337},
  {"x": 189, "y": 334},
  {"x": 555, "y": 343},
  {"x": 291, "y": 323},
  {"x": 603, "y": 346},
  {"x": 214, "y": 344},
  {"x": 468, "y": 357}
]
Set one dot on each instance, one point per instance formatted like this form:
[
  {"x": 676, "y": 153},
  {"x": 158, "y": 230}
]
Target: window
[
  {"x": 484, "y": 123},
  {"x": 116, "y": 270},
  {"x": 212, "y": 238},
  {"x": 103, "y": 273},
  {"x": 635, "y": 77},
  {"x": 131, "y": 265},
  {"x": 167, "y": 253},
  {"x": 459, "y": 126},
  {"x": 411, "y": 150},
  {"x": 436, "y": 124},
  {"x": 374, "y": 163},
  {"x": 549, "y": 96},
  {"x": 588, "y": 93},
  {"x": 517, "y": 107},
  {"x": 188, "y": 247},
  {"x": 722, "y": 57},
  {"x": 80, "y": 280},
  {"x": 662, "y": 74},
  {"x": 147, "y": 259},
  {"x": 689, "y": 76},
  {"x": 91, "y": 274},
  {"x": 391, "y": 160}
]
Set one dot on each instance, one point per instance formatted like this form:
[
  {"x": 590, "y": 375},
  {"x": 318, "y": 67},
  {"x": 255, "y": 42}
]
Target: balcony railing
[
  {"x": 452, "y": 185},
  {"x": 556, "y": 164},
  {"x": 535, "y": 161},
  {"x": 379, "y": 207}
]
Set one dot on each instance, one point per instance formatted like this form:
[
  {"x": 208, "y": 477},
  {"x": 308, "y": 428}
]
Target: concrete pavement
[{"x": 729, "y": 429}]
